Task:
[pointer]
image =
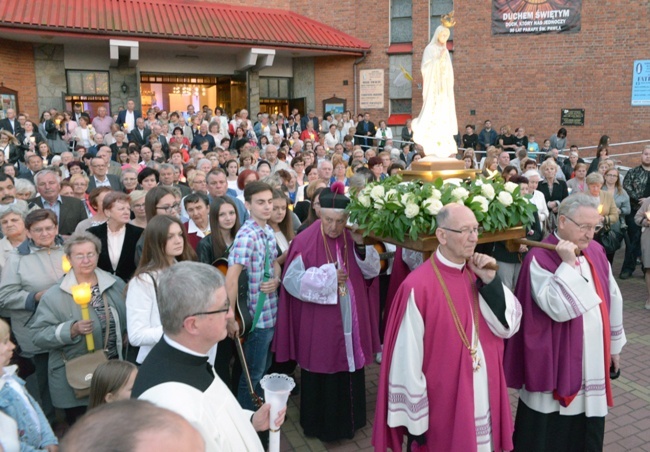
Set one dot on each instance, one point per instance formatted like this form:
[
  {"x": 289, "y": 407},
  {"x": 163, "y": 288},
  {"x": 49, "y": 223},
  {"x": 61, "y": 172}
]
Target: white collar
[
  {"x": 444, "y": 261},
  {"x": 193, "y": 228},
  {"x": 172, "y": 343}
]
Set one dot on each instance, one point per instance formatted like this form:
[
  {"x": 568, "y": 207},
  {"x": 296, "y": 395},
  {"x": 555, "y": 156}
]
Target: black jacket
[
  {"x": 71, "y": 212},
  {"x": 126, "y": 265}
]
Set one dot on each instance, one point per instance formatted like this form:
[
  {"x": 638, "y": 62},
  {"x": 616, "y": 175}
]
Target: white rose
[
  {"x": 391, "y": 196},
  {"x": 478, "y": 182},
  {"x": 453, "y": 181},
  {"x": 487, "y": 190},
  {"x": 510, "y": 187},
  {"x": 379, "y": 204},
  {"x": 459, "y": 193},
  {"x": 377, "y": 192},
  {"x": 432, "y": 206},
  {"x": 505, "y": 198},
  {"x": 407, "y": 198},
  {"x": 460, "y": 202},
  {"x": 483, "y": 202},
  {"x": 411, "y": 210},
  {"x": 435, "y": 194},
  {"x": 364, "y": 200}
]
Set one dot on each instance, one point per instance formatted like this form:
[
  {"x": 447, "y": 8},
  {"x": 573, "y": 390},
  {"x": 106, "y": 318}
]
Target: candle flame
[
  {"x": 647, "y": 215},
  {"x": 65, "y": 264},
  {"x": 600, "y": 209},
  {"x": 81, "y": 293}
]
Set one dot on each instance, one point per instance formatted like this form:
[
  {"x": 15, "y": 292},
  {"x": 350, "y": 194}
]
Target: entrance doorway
[{"x": 175, "y": 92}]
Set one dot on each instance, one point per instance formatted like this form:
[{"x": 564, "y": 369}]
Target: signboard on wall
[
  {"x": 572, "y": 117},
  {"x": 371, "y": 88},
  {"x": 541, "y": 16},
  {"x": 641, "y": 83}
]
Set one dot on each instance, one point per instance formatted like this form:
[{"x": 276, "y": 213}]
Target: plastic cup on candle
[
  {"x": 82, "y": 294},
  {"x": 600, "y": 208},
  {"x": 65, "y": 264},
  {"x": 647, "y": 215},
  {"x": 277, "y": 388}
]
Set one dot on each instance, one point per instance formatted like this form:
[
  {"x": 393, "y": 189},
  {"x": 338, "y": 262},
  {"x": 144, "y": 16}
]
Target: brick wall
[
  {"x": 525, "y": 80},
  {"x": 17, "y": 63}
]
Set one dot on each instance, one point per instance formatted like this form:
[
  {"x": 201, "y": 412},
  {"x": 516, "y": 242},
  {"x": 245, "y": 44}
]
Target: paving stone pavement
[{"x": 627, "y": 426}]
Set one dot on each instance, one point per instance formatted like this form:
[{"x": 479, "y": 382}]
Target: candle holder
[{"x": 82, "y": 294}]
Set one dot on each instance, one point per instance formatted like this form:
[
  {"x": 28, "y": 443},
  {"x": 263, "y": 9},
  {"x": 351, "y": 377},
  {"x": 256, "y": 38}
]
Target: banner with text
[{"x": 542, "y": 16}]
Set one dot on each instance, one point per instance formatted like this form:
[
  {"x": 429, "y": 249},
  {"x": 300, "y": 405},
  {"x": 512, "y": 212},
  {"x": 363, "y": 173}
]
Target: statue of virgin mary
[{"x": 436, "y": 125}]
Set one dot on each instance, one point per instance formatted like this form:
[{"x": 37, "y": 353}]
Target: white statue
[{"x": 436, "y": 126}]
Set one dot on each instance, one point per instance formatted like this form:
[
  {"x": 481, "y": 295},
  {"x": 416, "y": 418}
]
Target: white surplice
[
  {"x": 406, "y": 367},
  {"x": 567, "y": 294}
]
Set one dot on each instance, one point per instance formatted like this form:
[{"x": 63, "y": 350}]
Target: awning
[{"x": 189, "y": 21}]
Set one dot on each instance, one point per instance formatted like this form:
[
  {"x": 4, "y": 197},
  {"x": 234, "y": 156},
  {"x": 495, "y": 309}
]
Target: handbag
[
  {"x": 79, "y": 371},
  {"x": 610, "y": 236}
]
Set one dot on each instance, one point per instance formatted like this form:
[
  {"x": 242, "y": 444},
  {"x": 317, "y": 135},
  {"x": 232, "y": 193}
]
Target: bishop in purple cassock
[{"x": 324, "y": 321}]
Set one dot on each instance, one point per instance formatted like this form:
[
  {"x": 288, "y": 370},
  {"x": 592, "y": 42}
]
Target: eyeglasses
[
  {"x": 171, "y": 208},
  {"x": 81, "y": 257},
  {"x": 218, "y": 311},
  {"x": 465, "y": 231},
  {"x": 46, "y": 230},
  {"x": 138, "y": 206},
  {"x": 585, "y": 227}
]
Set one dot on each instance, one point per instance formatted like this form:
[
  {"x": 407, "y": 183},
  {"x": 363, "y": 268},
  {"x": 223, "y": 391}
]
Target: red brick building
[{"x": 520, "y": 80}]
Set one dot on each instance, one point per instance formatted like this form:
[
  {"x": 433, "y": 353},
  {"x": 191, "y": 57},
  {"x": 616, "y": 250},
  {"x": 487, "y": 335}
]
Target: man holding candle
[
  {"x": 324, "y": 320},
  {"x": 571, "y": 336},
  {"x": 176, "y": 374}
]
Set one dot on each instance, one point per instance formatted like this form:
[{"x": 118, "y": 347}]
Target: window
[
  {"x": 401, "y": 22},
  {"x": 275, "y": 88},
  {"x": 400, "y": 90},
  {"x": 87, "y": 82},
  {"x": 438, "y": 9}
]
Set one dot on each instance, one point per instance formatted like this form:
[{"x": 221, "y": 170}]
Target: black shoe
[{"x": 625, "y": 275}]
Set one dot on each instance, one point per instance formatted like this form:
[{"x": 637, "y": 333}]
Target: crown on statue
[{"x": 448, "y": 20}]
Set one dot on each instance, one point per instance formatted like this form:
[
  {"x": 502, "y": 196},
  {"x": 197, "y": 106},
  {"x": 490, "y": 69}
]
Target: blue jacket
[{"x": 12, "y": 404}]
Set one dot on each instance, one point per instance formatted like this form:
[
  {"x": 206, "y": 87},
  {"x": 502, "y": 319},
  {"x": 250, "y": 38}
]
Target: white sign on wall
[{"x": 371, "y": 88}]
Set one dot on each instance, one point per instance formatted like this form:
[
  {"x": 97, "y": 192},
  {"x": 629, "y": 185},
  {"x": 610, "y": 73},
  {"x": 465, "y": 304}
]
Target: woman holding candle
[
  {"x": 59, "y": 326},
  {"x": 45, "y": 152},
  {"x": 54, "y": 132},
  {"x": 554, "y": 191},
  {"x": 165, "y": 243},
  {"x": 642, "y": 218},
  {"x": 118, "y": 236},
  {"x": 27, "y": 274},
  {"x": 84, "y": 134},
  {"x": 607, "y": 208}
]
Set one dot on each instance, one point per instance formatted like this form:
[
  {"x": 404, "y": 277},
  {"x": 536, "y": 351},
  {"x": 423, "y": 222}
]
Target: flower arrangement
[{"x": 392, "y": 208}]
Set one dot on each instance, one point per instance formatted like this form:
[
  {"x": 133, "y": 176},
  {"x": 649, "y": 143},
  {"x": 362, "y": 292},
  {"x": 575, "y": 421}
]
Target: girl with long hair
[{"x": 165, "y": 243}]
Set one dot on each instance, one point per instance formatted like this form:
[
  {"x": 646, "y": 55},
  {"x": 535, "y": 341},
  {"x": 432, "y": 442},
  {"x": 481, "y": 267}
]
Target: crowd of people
[{"x": 195, "y": 230}]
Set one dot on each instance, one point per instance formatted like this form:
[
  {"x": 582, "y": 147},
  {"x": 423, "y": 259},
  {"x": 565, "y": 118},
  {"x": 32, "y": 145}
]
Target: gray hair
[
  {"x": 184, "y": 289},
  {"x": 532, "y": 173},
  {"x": 595, "y": 178},
  {"x": 203, "y": 162},
  {"x": 357, "y": 182},
  {"x": 23, "y": 185},
  {"x": 166, "y": 166},
  {"x": 17, "y": 209},
  {"x": 79, "y": 238},
  {"x": 320, "y": 163},
  {"x": 45, "y": 172},
  {"x": 274, "y": 180},
  {"x": 127, "y": 171},
  {"x": 572, "y": 203}
]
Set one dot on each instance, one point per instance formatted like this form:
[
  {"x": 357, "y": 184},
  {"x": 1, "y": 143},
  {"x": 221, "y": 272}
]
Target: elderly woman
[
  {"x": 24, "y": 189},
  {"x": 118, "y": 237},
  {"x": 577, "y": 184},
  {"x": 136, "y": 199},
  {"x": 129, "y": 179},
  {"x": 12, "y": 222},
  {"x": 537, "y": 197},
  {"x": 79, "y": 184},
  {"x": 554, "y": 191},
  {"x": 27, "y": 275},
  {"x": 120, "y": 143},
  {"x": 60, "y": 329},
  {"x": 569, "y": 165}
]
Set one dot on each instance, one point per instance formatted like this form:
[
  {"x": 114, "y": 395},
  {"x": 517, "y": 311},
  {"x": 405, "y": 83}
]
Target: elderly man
[
  {"x": 100, "y": 176},
  {"x": 132, "y": 425},
  {"x": 442, "y": 380},
  {"x": 325, "y": 169},
  {"x": 140, "y": 133},
  {"x": 127, "y": 118},
  {"x": 166, "y": 171},
  {"x": 202, "y": 136},
  {"x": 10, "y": 123},
  {"x": 324, "y": 320},
  {"x": 102, "y": 122},
  {"x": 271, "y": 154},
  {"x": 218, "y": 186},
  {"x": 176, "y": 374},
  {"x": 571, "y": 336},
  {"x": 69, "y": 211},
  {"x": 112, "y": 166}
]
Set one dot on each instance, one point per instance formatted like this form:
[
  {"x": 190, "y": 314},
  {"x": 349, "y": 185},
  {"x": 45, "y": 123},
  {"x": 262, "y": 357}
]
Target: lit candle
[
  {"x": 647, "y": 215},
  {"x": 600, "y": 209},
  {"x": 82, "y": 295},
  {"x": 57, "y": 121},
  {"x": 126, "y": 126},
  {"x": 65, "y": 264},
  {"x": 32, "y": 139}
]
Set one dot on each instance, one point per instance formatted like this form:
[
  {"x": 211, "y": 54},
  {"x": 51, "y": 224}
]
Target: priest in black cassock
[{"x": 176, "y": 374}]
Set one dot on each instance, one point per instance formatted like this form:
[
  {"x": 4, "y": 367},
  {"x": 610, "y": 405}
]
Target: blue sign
[{"x": 641, "y": 83}]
